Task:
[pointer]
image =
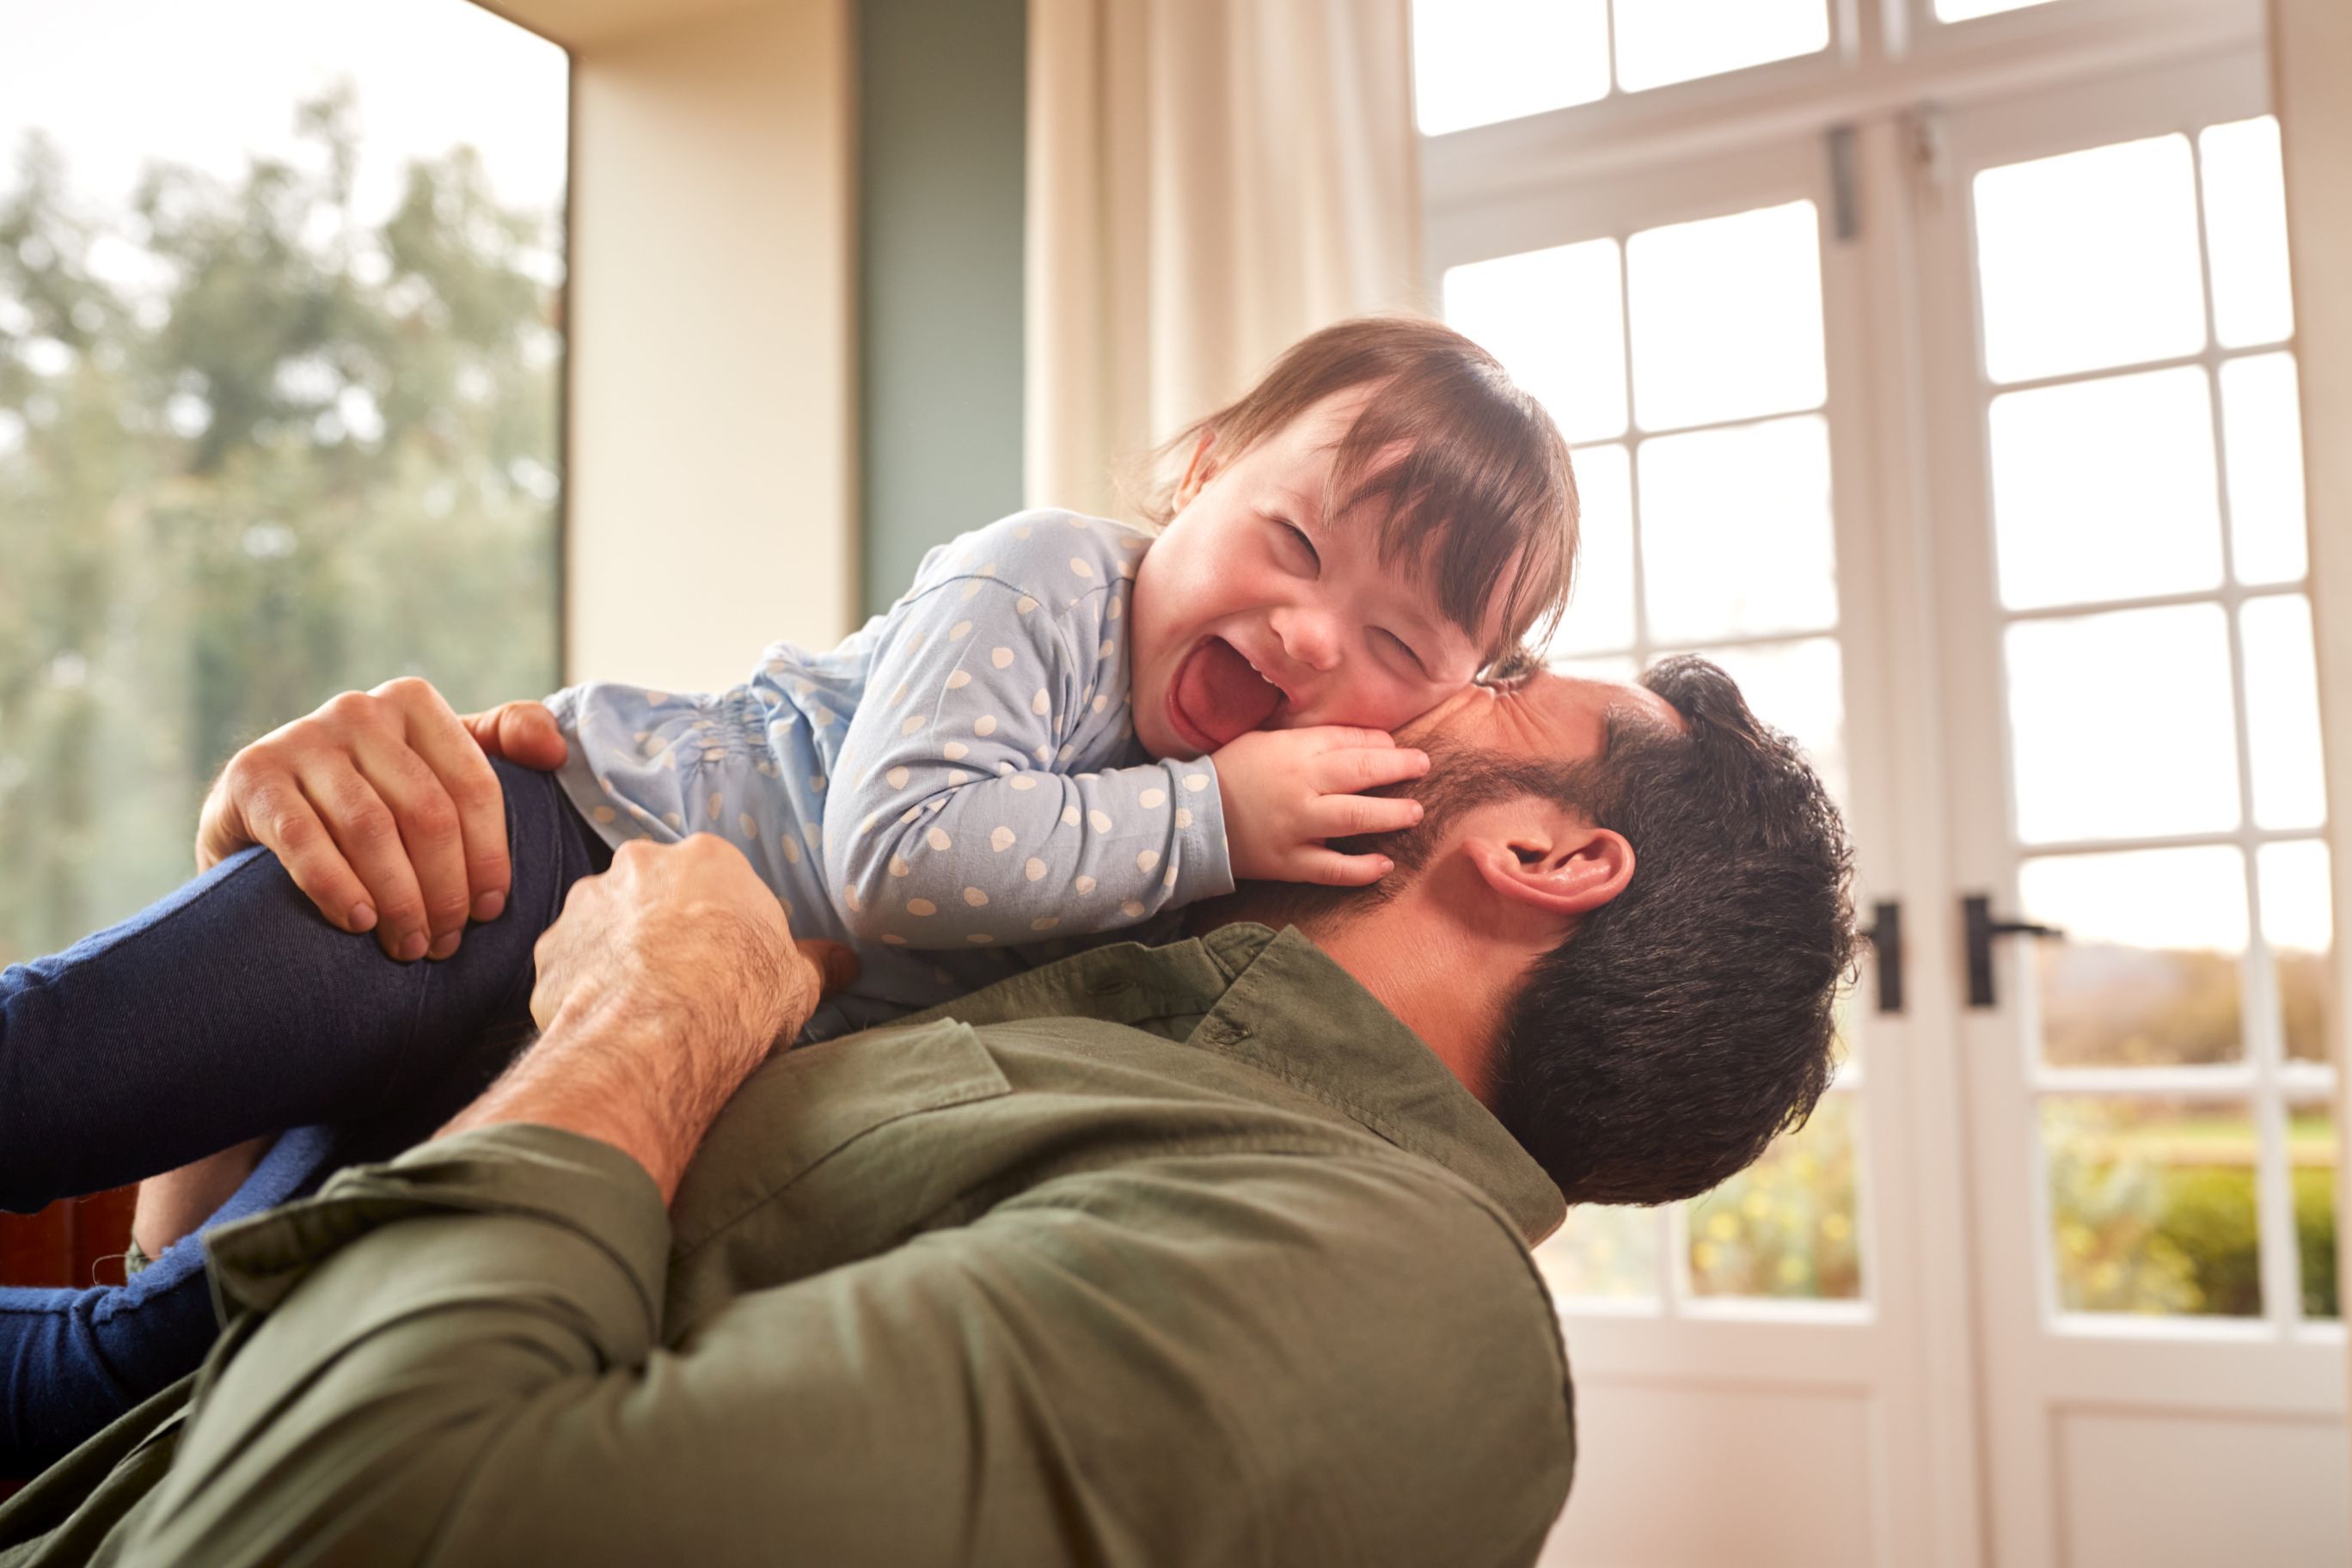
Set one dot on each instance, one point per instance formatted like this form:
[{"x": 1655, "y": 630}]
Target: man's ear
[
  {"x": 1197, "y": 471},
  {"x": 1559, "y": 869}
]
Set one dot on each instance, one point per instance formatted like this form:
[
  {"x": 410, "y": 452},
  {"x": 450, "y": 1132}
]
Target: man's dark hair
[{"x": 1688, "y": 1020}]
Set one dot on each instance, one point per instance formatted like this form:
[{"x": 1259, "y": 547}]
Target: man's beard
[{"x": 1460, "y": 778}]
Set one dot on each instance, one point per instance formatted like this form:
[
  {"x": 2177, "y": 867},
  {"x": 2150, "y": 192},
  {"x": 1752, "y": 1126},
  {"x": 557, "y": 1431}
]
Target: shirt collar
[{"x": 1279, "y": 1003}]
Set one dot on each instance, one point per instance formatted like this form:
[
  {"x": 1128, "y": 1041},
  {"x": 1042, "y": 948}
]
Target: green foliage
[
  {"x": 1785, "y": 1225},
  {"x": 2155, "y": 1212},
  {"x": 317, "y": 454}
]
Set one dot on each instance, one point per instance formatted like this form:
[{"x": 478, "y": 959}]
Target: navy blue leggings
[{"x": 227, "y": 1010}]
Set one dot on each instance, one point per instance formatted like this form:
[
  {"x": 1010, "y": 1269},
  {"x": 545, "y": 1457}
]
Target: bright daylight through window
[{"x": 280, "y": 350}]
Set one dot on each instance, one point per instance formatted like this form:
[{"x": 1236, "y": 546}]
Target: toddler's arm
[{"x": 954, "y": 818}]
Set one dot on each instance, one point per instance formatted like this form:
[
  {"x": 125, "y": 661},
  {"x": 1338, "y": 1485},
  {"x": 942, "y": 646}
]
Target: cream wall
[{"x": 710, "y": 437}]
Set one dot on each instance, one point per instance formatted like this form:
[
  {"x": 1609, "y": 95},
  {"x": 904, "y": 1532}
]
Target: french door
[
  {"x": 1966, "y": 439},
  {"x": 1749, "y": 1366},
  {"x": 2132, "y": 730}
]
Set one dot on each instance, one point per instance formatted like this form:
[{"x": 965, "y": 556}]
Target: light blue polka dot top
[{"x": 954, "y": 790}]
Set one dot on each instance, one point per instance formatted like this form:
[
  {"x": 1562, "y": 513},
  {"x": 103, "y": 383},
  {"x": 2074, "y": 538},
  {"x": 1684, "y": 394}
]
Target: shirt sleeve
[
  {"x": 459, "y": 1359},
  {"x": 955, "y": 818}
]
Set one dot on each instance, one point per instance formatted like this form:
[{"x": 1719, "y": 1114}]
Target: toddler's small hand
[{"x": 1286, "y": 791}]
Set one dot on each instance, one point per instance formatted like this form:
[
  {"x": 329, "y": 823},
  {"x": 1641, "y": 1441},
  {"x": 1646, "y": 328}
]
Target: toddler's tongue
[{"x": 1220, "y": 695}]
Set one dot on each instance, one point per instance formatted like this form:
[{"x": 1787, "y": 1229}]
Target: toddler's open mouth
[{"x": 1218, "y": 694}]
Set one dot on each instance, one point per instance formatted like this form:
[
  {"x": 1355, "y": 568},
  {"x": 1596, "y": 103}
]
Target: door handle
[
  {"x": 1885, "y": 934},
  {"x": 1976, "y": 910}
]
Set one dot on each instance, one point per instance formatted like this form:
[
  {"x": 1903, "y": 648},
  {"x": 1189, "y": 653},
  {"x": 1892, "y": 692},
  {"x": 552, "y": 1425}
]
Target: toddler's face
[{"x": 1254, "y": 611}]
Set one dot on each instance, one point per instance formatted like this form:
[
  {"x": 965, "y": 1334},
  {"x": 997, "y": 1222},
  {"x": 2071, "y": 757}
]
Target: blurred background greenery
[{"x": 253, "y": 451}]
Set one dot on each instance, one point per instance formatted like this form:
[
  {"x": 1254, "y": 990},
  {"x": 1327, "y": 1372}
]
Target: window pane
[
  {"x": 292, "y": 431},
  {"x": 2245, "y": 232},
  {"x": 2148, "y": 972},
  {"x": 1797, "y": 687},
  {"x": 1964, "y": 10},
  {"x": 2311, "y": 1151},
  {"x": 2262, "y": 426},
  {"x": 1478, "y": 62},
  {"x": 2089, "y": 259},
  {"x": 2283, "y": 712},
  {"x": 1727, "y": 317},
  {"x": 1602, "y": 1252},
  {"x": 1736, "y": 531},
  {"x": 1785, "y": 1227},
  {"x": 1616, "y": 666},
  {"x": 2104, "y": 490},
  {"x": 1662, "y": 41},
  {"x": 1601, "y": 616},
  {"x": 2298, "y": 925},
  {"x": 1557, "y": 321},
  {"x": 2120, "y": 725},
  {"x": 2152, "y": 1205}
]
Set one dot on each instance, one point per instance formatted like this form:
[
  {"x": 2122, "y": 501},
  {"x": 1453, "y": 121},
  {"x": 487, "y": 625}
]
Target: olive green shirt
[{"x": 1190, "y": 1255}]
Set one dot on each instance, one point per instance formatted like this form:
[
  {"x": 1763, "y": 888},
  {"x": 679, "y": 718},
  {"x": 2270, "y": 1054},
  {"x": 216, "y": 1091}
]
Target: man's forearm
[{"x": 590, "y": 1076}]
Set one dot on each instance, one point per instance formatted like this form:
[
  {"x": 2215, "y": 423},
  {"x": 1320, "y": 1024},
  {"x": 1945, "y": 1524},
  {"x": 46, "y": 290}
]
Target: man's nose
[{"x": 1309, "y": 636}]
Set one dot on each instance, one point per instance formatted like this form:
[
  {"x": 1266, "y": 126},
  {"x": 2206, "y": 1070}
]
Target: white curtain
[{"x": 1208, "y": 181}]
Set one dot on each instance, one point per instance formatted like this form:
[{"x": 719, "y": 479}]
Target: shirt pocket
[{"x": 805, "y": 1106}]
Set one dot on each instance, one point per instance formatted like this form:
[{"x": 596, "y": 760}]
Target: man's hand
[
  {"x": 383, "y": 808},
  {"x": 1286, "y": 791},
  {"x": 665, "y": 982}
]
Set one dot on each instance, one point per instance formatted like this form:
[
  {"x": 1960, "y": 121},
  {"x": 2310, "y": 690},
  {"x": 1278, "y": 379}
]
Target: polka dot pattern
[{"x": 941, "y": 722}]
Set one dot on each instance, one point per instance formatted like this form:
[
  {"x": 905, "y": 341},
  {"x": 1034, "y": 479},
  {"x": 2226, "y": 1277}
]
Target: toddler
[{"x": 1065, "y": 728}]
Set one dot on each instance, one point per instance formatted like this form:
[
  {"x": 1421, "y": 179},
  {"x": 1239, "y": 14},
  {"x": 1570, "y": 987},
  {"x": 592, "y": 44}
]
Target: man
[{"x": 1209, "y": 1253}]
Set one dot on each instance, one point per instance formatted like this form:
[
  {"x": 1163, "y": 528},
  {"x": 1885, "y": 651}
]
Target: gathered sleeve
[{"x": 975, "y": 800}]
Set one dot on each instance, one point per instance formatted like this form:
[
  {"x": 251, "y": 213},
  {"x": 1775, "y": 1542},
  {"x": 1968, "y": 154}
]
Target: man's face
[
  {"x": 1253, "y": 610},
  {"x": 1560, "y": 719},
  {"x": 1479, "y": 742}
]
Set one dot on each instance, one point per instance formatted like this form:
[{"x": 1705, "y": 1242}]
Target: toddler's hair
[{"x": 1483, "y": 489}]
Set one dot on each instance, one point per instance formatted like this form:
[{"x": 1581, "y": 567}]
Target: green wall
[{"x": 942, "y": 86}]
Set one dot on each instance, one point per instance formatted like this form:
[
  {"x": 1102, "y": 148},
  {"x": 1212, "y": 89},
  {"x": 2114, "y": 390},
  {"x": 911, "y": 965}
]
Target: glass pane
[
  {"x": 1727, "y": 317},
  {"x": 2311, "y": 1152},
  {"x": 2298, "y": 924},
  {"x": 2262, "y": 426},
  {"x": 2120, "y": 725},
  {"x": 1478, "y": 62},
  {"x": 2152, "y": 1205},
  {"x": 1600, "y": 615},
  {"x": 2149, "y": 974},
  {"x": 2104, "y": 490},
  {"x": 2245, "y": 232},
  {"x": 1557, "y": 321},
  {"x": 290, "y": 430},
  {"x": 1964, "y": 10},
  {"x": 1619, "y": 667},
  {"x": 1798, "y": 687},
  {"x": 1602, "y": 1252},
  {"x": 1785, "y": 1227},
  {"x": 2089, "y": 259},
  {"x": 1736, "y": 531},
  {"x": 1662, "y": 41},
  {"x": 2283, "y": 712}
]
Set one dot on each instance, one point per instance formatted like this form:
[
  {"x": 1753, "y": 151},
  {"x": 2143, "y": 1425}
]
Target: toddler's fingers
[
  {"x": 1349, "y": 737},
  {"x": 1334, "y": 869},
  {"x": 368, "y": 836},
  {"x": 1346, "y": 816},
  {"x": 1353, "y": 769}
]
